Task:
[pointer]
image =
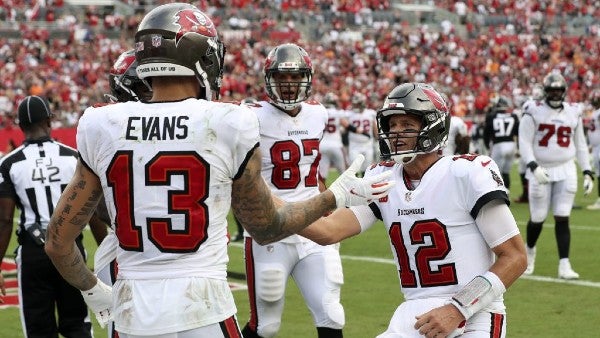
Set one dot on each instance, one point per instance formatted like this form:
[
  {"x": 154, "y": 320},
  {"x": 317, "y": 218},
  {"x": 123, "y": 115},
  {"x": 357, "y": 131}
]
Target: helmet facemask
[
  {"x": 430, "y": 138},
  {"x": 424, "y": 102},
  {"x": 288, "y": 94},
  {"x": 288, "y": 76},
  {"x": 555, "y": 90}
]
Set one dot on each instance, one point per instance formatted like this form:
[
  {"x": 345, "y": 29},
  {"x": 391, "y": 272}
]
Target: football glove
[
  {"x": 588, "y": 182},
  {"x": 99, "y": 300},
  {"x": 350, "y": 190},
  {"x": 540, "y": 173}
]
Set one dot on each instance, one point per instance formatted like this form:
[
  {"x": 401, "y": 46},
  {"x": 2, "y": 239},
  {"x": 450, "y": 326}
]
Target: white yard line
[{"x": 530, "y": 277}]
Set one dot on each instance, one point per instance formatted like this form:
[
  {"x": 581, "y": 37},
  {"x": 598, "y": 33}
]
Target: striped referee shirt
[{"x": 34, "y": 175}]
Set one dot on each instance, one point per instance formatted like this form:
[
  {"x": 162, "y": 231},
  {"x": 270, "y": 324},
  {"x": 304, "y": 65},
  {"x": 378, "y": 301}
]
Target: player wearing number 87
[
  {"x": 170, "y": 169},
  {"x": 32, "y": 178},
  {"x": 291, "y": 127},
  {"x": 456, "y": 244},
  {"x": 550, "y": 138}
]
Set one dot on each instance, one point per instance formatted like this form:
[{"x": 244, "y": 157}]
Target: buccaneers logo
[
  {"x": 122, "y": 64},
  {"x": 435, "y": 98},
  {"x": 193, "y": 21}
]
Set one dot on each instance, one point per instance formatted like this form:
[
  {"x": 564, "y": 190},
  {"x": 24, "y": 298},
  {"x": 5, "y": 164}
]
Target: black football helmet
[
  {"x": 555, "y": 89},
  {"x": 288, "y": 58},
  {"x": 502, "y": 104},
  {"x": 178, "y": 39},
  {"x": 124, "y": 83},
  {"x": 423, "y": 101}
]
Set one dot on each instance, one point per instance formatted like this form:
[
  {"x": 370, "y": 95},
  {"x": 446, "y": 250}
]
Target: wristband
[
  {"x": 477, "y": 294},
  {"x": 532, "y": 165},
  {"x": 352, "y": 128},
  {"x": 589, "y": 173}
]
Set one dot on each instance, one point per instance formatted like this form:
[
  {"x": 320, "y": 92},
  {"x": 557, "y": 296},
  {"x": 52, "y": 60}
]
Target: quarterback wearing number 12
[{"x": 456, "y": 244}]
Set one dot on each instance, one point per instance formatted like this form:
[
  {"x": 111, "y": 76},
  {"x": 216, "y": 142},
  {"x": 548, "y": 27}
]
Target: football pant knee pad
[
  {"x": 335, "y": 314},
  {"x": 272, "y": 284}
]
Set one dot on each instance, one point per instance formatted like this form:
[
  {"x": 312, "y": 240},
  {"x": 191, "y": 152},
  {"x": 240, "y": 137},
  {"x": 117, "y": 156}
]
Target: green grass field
[{"x": 538, "y": 305}]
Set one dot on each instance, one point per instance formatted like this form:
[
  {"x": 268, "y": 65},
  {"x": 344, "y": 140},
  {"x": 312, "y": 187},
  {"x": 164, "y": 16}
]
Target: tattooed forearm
[
  {"x": 73, "y": 268},
  {"x": 70, "y": 216},
  {"x": 254, "y": 207}
]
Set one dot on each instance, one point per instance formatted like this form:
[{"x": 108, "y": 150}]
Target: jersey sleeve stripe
[
  {"x": 483, "y": 200},
  {"x": 376, "y": 211},
  {"x": 243, "y": 166}
]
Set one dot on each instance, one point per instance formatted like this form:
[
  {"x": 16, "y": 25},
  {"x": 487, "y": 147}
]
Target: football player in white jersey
[
  {"x": 550, "y": 138},
  {"x": 332, "y": 148},
  {"x": 456, "y": 244},
  {"x": 593, "y": 133},
  {"x": 170, "y": 171},
  {"x": 458, "y": 137},
  {"x": 500, "y": 135},
  {"x": 125, "y": 86},
  {"x": 362, "y": 136},
  {"x": 291, "y": 126}
]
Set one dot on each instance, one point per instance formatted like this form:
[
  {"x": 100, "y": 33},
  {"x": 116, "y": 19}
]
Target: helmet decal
[
  {"x": 193, "y": 21},
  {"x": 435, "y": 98},
  {"x": 123, "y": 63}
]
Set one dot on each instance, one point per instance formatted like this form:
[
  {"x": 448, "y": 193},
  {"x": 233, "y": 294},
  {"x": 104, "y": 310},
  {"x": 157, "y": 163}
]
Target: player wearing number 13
[
  {"x": 550, "y": 138},
  {"x": 456, "y": 244},
  {"x": 170, "y": 169},
  {"x": 32, "y": 178}
]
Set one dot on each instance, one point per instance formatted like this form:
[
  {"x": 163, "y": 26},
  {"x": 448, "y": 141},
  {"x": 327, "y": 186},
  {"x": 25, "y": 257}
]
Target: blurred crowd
[{"x": 360, "y": 56}]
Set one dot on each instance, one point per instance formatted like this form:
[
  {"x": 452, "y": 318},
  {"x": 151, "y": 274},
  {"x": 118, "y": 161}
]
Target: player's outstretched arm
[
  {"x": 255, "y": 208},
  {"x": 341, "y": 224},
  {"x": 72, "y": 213}
]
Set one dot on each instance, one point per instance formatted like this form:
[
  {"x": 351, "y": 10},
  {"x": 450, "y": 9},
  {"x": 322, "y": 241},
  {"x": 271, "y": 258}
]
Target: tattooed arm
[
  {"x": 269, "y": 220},
  {"x": 72, "y": 213}
]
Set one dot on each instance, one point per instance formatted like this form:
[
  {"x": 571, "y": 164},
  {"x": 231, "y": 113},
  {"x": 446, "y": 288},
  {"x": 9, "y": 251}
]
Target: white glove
[
  {"x": 99, "y": 300},
  {"x": 588, "y": 183},
  {"x": 541, "y": 175},
  {"x": 350, "y": 190}
]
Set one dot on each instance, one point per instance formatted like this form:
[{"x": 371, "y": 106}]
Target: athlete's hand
[
  {"x": 588, "y": 182},
  {"x": 443, "y": 321},
  {"x": 99, "y": 300},
  {"x": 540, "y": 173},
  {"x": 350, "y": 190}
]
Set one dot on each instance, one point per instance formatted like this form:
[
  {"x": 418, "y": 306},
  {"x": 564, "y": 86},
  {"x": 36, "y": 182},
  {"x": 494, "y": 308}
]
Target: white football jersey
[
  {"x": 290, "y": 150},
  {"x": 332, "y": 137},
  {"x": 553, "y": 137},
  {"x": 367, "y": 120},
  {"x": 457, "y": 127},
  {"x": 434, "y": 239},
  {"x": 593, "y": 131},
  {"x": 167, "y": 169}
]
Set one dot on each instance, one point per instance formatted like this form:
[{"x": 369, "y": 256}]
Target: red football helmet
[{"x": 124, "y": 83}]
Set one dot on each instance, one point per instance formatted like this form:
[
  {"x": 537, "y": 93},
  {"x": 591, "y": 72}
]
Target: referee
[{"x": 32, "y": 178}]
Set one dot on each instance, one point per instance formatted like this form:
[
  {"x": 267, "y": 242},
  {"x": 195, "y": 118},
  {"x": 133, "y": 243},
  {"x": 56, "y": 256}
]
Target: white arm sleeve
[
  {"x": 496, "y": 223},
  {"x": 365, "y": 216},
  {"x": 583, "y": 155},
  {"x": 526, "y": 134}
]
